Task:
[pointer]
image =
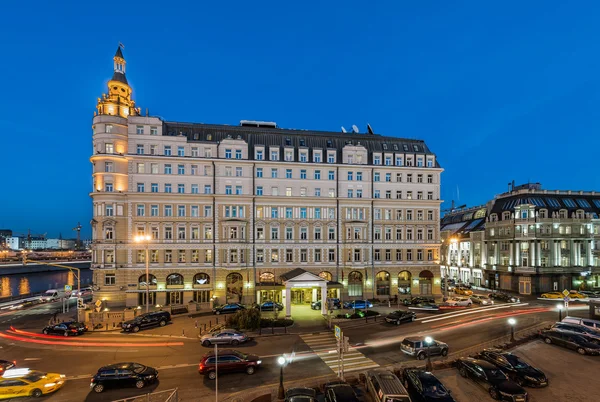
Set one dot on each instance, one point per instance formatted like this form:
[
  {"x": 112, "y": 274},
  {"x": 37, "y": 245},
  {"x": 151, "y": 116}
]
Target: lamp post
[
  {"x": 512, "y": 322},
  {"x": 146, "y": 239},
  {"x": 559, "y": 307},
  {"x": 428, "y": 341},
  {"x": 281, "y": 392}
]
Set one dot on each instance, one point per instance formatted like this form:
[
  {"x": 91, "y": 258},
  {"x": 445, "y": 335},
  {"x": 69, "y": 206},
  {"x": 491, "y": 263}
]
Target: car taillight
[
  {"x": 73, "y": 330},
  {"x": 201, "y": 366}
]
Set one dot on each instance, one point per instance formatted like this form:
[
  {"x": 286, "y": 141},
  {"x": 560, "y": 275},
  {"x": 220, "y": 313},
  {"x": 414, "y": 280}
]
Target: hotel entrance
[{"x": 302, "y": 296}]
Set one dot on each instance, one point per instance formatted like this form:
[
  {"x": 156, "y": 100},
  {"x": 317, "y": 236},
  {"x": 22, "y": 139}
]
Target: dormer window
[
  {"x": 543, "y": 213},
  {"x": 505, "y": 216},
  {"x": 274, "y": 155},
  {"x": 303, "y": 156},
  {"x": 398, "y": 161},
  {"x": 302, "y": 142},
  {"x": 330, "y": 157},
  {"x": 329, "y": 144},
  {"x": 524, "y": 214},
  {"x": 289, "y": 155},
  {"x": 288, "y": 141},
  {"x": 259, "y": 155},
  {"x": 317, "y": 156},
  {"x": 416, "y": 148},
  {"x": 377, "y": 160},
  {"x": 405, "y": 147}
]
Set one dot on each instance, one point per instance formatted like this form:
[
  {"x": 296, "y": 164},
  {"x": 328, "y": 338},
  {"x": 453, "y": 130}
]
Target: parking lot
[{"x": 570, "y": 375}]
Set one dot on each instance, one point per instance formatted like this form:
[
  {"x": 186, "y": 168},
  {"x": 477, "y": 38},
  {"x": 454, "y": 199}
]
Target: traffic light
[{"x": 80, "y": 304}]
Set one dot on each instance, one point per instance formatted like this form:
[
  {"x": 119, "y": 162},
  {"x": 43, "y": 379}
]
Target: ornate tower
[{"x": 118, "y": 102}]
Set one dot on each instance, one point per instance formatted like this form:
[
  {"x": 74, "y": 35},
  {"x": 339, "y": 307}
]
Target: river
[{"x": 21, "y": 284}]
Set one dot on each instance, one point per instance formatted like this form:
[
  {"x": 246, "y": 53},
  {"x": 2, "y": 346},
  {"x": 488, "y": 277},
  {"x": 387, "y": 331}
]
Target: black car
[
  {"x": 399, "y": 316},
  {"x": 123, "y": 375},
  {"x": 339, "y": 391},
  {"x": 492, "y": 379},
  {"x": 504, "y": 297},
  {"x": 334, "y": 303},
  {"x": 228, "y": 308},
  {"x": 516, "y": 369},
  {"x": 160, "y": 318},
  {"x": 6, "y": 365},
  {"x": 417, "y": 300},
  {"x": 270, "y": 306},
  {"x": 579, "y": 329},
  {"x": 583, "y": 344},
  {"x": 65, "y": 329},
  {"x": 424, "y": 386},
  {"x": 300, "y": 394}
]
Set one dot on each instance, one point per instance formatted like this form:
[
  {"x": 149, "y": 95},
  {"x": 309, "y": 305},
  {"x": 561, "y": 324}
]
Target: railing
[{"x": 170, "y": 395}]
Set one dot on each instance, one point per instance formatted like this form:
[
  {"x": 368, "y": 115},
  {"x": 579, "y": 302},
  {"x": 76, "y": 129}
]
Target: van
[
  {"x": 52, "y": 295},
  {"x": 586, "y": 322},
  {"x": 384, "y": 386}
]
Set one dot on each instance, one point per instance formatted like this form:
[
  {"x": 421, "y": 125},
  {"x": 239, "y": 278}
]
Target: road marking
[
  {"x": 351, "y": 358},
  {"x": 79, "y": 377},
  {"x": 32, "y": 358},
  {"x": 452, "y": 315}
]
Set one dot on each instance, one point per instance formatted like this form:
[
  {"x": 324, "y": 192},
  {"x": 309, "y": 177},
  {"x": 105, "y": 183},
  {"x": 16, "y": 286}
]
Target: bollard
[
  {"x": 272, "y": 328},
  {"x": 204, "y": 327},
  {"x": 183, "y": 332},
  {"x": 209, "y": 323},
  {"x": 107, "y": 326},
  {"x": 285, "y": 328},
  {"x": 196, "y": 324},
  {"x": 217, "y": 320}
]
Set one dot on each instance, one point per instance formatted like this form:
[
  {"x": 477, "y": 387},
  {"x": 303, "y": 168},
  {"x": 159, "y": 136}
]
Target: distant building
[
  {"x": 39, "y": 243},
  {"x": 526, "y": 240}
]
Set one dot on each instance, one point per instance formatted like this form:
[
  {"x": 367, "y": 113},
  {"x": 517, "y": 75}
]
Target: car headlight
[
  {"x": 531, "y": 378},
  {"x": 505, "y": 393},
  {"x": 50, "y": 384},
  {"x": 259, "y": 362},
  {"x": 63, "y": 376}
]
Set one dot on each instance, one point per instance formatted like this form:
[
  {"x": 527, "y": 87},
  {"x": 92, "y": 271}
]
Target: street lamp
[
  {"x": 559, "y": 307},
  {"x": 281, "y": 392},
  {"x": 428, "y": 341},
  {"x": 512, "y": 322},
  {"x": 145, "y": 239}
]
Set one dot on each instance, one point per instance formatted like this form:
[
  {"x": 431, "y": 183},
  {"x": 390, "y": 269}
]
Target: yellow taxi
[
  {"x": 463, "y": 291},
  {"x": 24, "y": 382},
  {"x": 573, "y": 294},
  {"x": 552, "y": 295}
]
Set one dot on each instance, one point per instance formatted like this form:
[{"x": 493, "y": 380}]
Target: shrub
[
  {"x": 278, "y": 322},
  {"x": 245, "y": 319},
  {"x": 359, "y": 314}
]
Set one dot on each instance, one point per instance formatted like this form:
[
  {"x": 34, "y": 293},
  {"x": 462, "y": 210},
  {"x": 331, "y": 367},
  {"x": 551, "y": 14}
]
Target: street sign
[
  {"x": 565, "y": 292},
  {"x": 68, "y": 288},
  {"x": 98, "y": 303},
  {"x": 566, "y": 299},
  {"x": 566, "y": 305},
  {"x": 338, "y": 332}
]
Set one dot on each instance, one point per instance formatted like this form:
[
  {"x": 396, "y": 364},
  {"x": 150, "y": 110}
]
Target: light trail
[{"x": 85, "y": 344}]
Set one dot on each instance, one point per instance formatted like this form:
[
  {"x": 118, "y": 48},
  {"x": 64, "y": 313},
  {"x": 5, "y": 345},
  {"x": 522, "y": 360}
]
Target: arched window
[
  {"x": 175, "y": 280},
  {"x": 425, "y": 282},
  {"x": 201, "y": 279},
  {"x": 235, "y": 287},
  {"x": 266, "y": 277},
  {"x": 142, "y": 280},
  {"x": 382, "y": 282},
  {"x": 480, "y": 213},
  {"x": 404, "y": 279},
  {"x": 355, "y": 284},
  {"x": 326, "y": 275}
]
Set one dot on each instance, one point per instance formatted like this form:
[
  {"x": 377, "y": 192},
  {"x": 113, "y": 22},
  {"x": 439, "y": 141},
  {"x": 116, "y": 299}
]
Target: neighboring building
[
  {"x": 526, "y": 240},
  {"x": 61, "y": 244},
  {"x": 233, "y": 211},
  {"x": 39, "y": 243},
  {"x": 4, "y": 234}
]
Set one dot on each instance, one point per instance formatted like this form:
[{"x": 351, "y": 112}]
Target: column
[
  {"x": 471, "y": 248},
  {"x": 552, "y": 262},
  {"x": 589, "y": 253},
  {"x": 286, "y": 300},
  {"x": 518, "y": 254},
  {"x": 258, "y": 297},
  {"x": 497, "y": 253},
  {"x": 572, "y": 253},
  {"x": 511, "y": 258},
  {"x": 323, "y": 298},
  {"x": 315, "y": 296},
  {"x": 538, "y": 254},
  {"x": 459, "y": 255},
  {"x": 532, "y": 254}
]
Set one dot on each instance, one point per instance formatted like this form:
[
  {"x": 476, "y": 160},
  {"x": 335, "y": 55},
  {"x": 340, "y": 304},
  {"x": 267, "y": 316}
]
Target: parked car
[
  {"x": 224, "y": 336},
  {"x": 335, "y": 303},
  {"x": 573, "y": 294},
  {"x": 492, "y": 379},
  {"x": 123, "y": 375},
  {"x": 80, "y": 326},
  {"x": 461, "y": 290},
  {"x": 516, "y": 369},
  {"x": 147, "y": 320},
  {"x": 300, "y": 394},
  {"x": 425, "y": 306},
  {"x": 590, "y": 294},
  {"x": 228, "y": 308},
  {"x": 424, "y": 386},
  {"x": 586, "y": 322},
  {"x": 270, "y": 306},
  {"x": 358, "y": 304},
  {"x": 6, "y": 365},
  {"x": 481, "y": 299},
  {"x": 18, "y": 382},
  {"x": 417, "y": 300},
  {"x": 552, "y": 295},
  {"x": 578, "y": 329},
  {"x": 339, "y": 391},
  {"x": 584, "y": 345},
  {"x": 417, "y": 347},
  {"x": 52, "y": 295},
  {"x": 459, "y": 302},
  {"x": 399, "y": 316},
  {"x": 228, "y": 361},
  {"x": 504, "y": 297},
  {"x": 65, "y": 329},
  {"x": 384, "y": 386}
]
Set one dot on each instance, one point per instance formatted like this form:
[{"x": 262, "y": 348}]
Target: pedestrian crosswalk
[{"x": 324, "y": 345}]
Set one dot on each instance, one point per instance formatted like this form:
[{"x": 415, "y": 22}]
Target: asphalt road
[{"x": 177, "y": 359}]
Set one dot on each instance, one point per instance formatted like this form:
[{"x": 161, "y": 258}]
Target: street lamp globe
[
  {"x": 428, "y": 340},
  {"x": 147, "y": 237},
  {"x": 281, "y": 360},
  {"x": 559, "y": 306},
  {"x": 512, "y": 321}
]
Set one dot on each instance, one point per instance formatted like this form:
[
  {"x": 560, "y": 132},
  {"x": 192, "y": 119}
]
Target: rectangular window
[
  {"x": 141, "y": 210},
  {"x": 376, "y": 176},
  {"x": 207, "y": 189},
  {"x": 317, "y": 175},
  {"x": 274, "y": 155},
  {"x": 108, "y": 187},
  {"x": 167, "y": 150},
  {"x": 317, "y": 233},
  {"x": 195, "y": 189},
  {"x": 168, "y": 233},
  {"x": 289, "y": 255},
  {"x": 108, "y": 167},
  {"x": 195, "y": 211},
  {"x": 303, "y": 156},
  {"x": 181, "y": 210},
  {"x": 317, "y": 192},
  {"x": 350, "y": 193},
  {"x": 259, "y": 172},
  {"x": 288, "y": 191},
  {"x": 238, "y": 154},
  {"x": 110, "y": 279},
  {"x": 238, "y": 190},
  {"x": 259, "y": 155},
  {"x": 228, "y": 154},
  {"x": 377, "y": 194},
  {"x": 208, "y": 152},
  {"x": 139, "y": 149},
  {"x": 180, "y": 169},
  {"x": 154, "y": 168},
  {"x": 228, "y": 190},
  {"x": 153, "y": 149},
  {"x": 260, "y": 255},
  {"x": 139, "y": 129},
  {"x": 331, "y": 234},
  {"x": 168, "y": 210},
  {"x": 317, "y": 255},
  {"x": 330, "y": 157},
  {"x": 168, "y": 169},
  {"x": 274, "y": 173},
  {"x": 153, "y": 210},
  {"x": 180, "y": 151},
  {"x": 377, "y": 160},
  {"x": 195, "y": 152},
  {"x": 331, "y": 175},
  {"x": 303, "y": 255},
  {"x": 259, "y": 190},
  {"x": 429, "y": 178},
  {"x": 238, "y": 172},
  {"x": 303, "y": 174},
  {"x": 168, "y": 188},
  {"x": 288, "y": 173},
  {"x": 350, "y": 175},
  {"x": 274, "y": 233},
  {"x": 331, "y": 255},
  {"x": 180, "y": 188},
  {"x": 140, "y": 187}
]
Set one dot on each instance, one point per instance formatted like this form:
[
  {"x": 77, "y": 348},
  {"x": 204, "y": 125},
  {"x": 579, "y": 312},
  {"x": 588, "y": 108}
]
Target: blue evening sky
[{"x": 498, "y": 92}]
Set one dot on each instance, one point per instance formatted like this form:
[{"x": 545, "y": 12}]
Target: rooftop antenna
[
  {"x": 354, "y": 129},
  {"x": 343, "y": 130},
  {"x": 370, "y": 129}
]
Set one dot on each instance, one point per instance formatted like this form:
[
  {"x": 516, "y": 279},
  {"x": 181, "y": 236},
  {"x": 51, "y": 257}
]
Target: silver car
[
  {"x": 481, "y": 299},
  {"x": 224, "y": 336}
]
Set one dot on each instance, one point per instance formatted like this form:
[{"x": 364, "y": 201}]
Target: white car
[
  {"x": 459, "y": 301},
  {"x": 481, "y": 299}
]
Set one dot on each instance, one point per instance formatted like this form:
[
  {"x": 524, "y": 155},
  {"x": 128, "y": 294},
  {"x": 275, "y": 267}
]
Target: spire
[
  {"x": 119, "y": 53},
  {"x": 118, "y": 101},
  {"x": 119, "y": 66}
]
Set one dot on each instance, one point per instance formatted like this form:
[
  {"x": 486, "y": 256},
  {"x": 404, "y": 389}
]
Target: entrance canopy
[{"x": 300, "y": 278}]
